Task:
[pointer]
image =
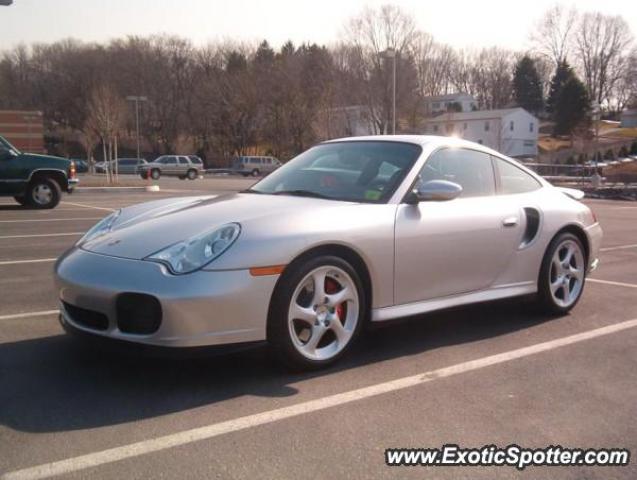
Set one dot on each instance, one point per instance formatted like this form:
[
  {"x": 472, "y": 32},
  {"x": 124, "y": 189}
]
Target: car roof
[{"x": 432, "y": 141}]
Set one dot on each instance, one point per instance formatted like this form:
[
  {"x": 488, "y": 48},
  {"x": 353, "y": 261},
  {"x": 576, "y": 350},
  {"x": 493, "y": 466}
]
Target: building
[
  {"x": 348, "y": 121},
  {"x": 628, "y": 118},
  {"x": 443, "y": 103},
  {"x": 23, "y": 129},
  {"x": 512, "y": 131}
]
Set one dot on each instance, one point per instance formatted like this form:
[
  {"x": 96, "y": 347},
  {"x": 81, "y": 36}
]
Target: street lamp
[
  {"x": 137, "y": 99},
  {"x": 596, "y": 116},
  {"x": 391, "y": 53}
]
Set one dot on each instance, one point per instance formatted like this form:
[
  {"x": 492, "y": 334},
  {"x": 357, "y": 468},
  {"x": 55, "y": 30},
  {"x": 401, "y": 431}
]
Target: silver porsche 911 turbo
[{"x": 351, "y": 231}]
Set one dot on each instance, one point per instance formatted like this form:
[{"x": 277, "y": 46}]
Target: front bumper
[
  {"x": 72, "y": 183},
  {"x": 203, "y": 308}
]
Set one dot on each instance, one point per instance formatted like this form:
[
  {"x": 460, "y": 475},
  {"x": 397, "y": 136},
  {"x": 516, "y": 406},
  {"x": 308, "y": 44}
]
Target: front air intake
[{"x": 138, "y": 313}]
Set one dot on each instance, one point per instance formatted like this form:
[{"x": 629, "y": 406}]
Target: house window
[
  {"x": 486, "y": 126},
  {"x": 511, "y": 125},
  {"x": 531, "y": 127},
  {"x": 435, "y": 128}
]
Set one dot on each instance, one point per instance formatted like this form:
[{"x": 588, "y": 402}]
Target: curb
[{"x": 147, "y": 188}]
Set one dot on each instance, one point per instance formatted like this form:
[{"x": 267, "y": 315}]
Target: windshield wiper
[{"x": 302, "y": 193}]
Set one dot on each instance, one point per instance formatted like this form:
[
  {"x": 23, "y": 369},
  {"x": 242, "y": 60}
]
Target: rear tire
[
  {"x": 562, "y": 275},
  {"x": 308, "y": 327},
  {"x": 255, "y": 172},
  {"x": 191, "y": 174},
  {"x": 43, "y": 193}
]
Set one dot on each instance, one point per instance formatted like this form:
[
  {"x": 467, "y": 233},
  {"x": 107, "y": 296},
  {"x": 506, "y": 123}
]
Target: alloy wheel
[
  {"x": 324, "y": 312},
  {"x": 42, "y": 194},
  {"x": 566, "y": 274}
]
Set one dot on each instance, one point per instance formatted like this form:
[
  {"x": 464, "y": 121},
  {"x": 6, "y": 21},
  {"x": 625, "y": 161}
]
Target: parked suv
[
  {"x": 171, "y": 165},
  {"x": 34, "y": 180},
  {"x": 255, "y": 166}
]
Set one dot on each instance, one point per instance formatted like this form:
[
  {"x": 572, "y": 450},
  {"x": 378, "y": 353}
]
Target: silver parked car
[
  {"x": 255, "y": 166},
  {"x": 351, "y": 231},
  {"x": 180, "y": 166},
  {"x": 124, "y": 165}
]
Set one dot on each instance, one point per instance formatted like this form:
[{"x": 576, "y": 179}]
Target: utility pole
[
  {"x": 137, "y": 99},
  {"x": 391, "y": 53}
]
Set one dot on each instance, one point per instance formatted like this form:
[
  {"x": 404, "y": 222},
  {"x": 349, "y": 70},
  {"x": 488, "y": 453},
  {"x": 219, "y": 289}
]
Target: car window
[
  {"x": 514, "y": 179},
  {"x": 470, "y": 169},
  {"x": 183, "y": 161}
]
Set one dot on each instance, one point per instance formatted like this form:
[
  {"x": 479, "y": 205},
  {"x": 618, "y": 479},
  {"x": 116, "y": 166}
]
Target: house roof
[
  {"x": 477, "y": 115},
  {"x": 448, "y": 97}
]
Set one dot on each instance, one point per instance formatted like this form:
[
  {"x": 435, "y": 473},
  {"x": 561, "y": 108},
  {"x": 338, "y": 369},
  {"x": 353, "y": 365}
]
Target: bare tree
[
  {"x": 106, "y": 115},
  {"x": 601, "y": 41},
  {"x": 553, "y": 33}
]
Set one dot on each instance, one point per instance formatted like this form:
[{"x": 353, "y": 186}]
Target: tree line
[{"x": 231, "y": 98}]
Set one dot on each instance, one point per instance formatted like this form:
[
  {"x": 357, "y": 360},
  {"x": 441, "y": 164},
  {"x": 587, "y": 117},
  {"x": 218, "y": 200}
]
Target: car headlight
[
  {"x": 198, "y": 251},
  {"x": 100, "y": 228}
]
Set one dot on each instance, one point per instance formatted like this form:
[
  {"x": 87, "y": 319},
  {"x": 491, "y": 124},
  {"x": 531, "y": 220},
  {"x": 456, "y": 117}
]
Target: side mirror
[
  {"x": 434, "y": 190},
  {"x": 6, "y": 154}
]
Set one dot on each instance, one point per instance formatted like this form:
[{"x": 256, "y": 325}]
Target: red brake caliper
[{"x": 331, "y": 286}]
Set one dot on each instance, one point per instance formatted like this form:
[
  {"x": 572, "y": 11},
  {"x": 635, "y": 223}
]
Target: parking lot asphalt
[{"x": 80, "y": 413}]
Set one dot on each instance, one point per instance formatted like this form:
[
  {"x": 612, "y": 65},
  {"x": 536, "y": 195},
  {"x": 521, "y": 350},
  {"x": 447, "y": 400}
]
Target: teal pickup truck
[{"x": 36, "y": 181}]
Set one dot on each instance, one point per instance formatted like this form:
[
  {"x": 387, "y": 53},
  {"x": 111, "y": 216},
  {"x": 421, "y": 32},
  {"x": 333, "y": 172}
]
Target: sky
[{"x": 460, "y": 23}]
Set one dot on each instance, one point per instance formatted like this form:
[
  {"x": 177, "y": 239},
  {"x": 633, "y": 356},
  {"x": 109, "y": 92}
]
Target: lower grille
[{"x": 86, "y": 318}]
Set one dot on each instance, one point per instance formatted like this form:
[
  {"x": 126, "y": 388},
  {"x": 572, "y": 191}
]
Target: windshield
[
  {"x": 356, "y": 171},
  {"x": 4, "y": 142}
]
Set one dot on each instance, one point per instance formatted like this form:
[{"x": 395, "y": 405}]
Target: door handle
[{"x": 510, "y": 222}]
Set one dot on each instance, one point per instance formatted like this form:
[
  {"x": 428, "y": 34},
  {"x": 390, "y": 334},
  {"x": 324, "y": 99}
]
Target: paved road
[{"x": 59, "y": 401}]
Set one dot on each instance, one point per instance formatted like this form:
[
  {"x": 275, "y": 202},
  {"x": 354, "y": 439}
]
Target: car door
[
  {"x": 184, "y": 165},
  {"x": 451, "y": 247},
  {"x": 13, "y": 172}
]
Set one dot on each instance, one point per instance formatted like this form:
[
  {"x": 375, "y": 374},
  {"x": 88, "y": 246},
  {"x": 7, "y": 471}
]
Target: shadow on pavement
[{"x": 56, "y": 384}]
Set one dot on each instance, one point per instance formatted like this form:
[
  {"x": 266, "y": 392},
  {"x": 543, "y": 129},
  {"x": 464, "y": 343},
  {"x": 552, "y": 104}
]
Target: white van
[{"x": 255, "y": 166}]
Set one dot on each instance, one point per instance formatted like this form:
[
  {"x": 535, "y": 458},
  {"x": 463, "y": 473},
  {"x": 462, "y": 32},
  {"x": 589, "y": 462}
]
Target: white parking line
[
  {"x": 35, "y": 260},
  {"x": 88, "y": 206},
  {"x": 610, "y": 282},
  {"x": 619, "y": 247},
  {"x": 36, "y": 235},
  {"x": 29, "y": 314},
  {"x": 51, "y": 220},
  {"x": 216, "y": 429}
]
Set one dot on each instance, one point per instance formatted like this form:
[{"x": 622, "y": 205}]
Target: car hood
[
  {"x": 144, "y": 229},
  {"x": 45, "y": 161}
]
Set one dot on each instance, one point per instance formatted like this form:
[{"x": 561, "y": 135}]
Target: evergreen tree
[
  {"x": 527, "y": 86},
  {"x": 562, "y": 75},
  {"x": 571, "y": 107}
]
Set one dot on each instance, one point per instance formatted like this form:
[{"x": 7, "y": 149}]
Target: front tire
[
  {"x": 255, "y": 172},
  {"x": 44, "y": 193},
  {"x": 191, "y": 174},
  {"x": 155, "y": 174},
  {"x": 562, "y": 275},
  {"x": 316, "y": 313}
]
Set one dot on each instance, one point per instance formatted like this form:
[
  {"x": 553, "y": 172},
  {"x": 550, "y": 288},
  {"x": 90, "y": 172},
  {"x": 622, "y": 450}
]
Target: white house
[
  {"x": 441, "y": 103},
  {"x": 347, "y": 121},
  {"x": 512, "y": 131}
]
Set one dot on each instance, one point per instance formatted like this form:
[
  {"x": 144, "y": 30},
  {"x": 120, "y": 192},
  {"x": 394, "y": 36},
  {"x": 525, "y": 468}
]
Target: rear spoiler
[{"x": 571, "y": 192}]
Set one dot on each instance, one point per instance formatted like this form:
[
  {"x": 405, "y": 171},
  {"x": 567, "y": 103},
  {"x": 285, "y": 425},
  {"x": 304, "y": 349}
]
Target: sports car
[{"x": 351, "y": 232}]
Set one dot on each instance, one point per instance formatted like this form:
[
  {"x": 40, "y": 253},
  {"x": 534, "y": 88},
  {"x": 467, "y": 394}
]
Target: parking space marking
[
  {"x": 88, "y": 206},
  {"x": 51, "y": 220},
  {"x": 143, "y": 447},
  {"x": 36, "y": 235},
  {"x": 35, "y": 260},
  {"x": 610, "y": 282},
  {"x": 619, "y": 247},
  {"x": 29, "y": 314}
]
